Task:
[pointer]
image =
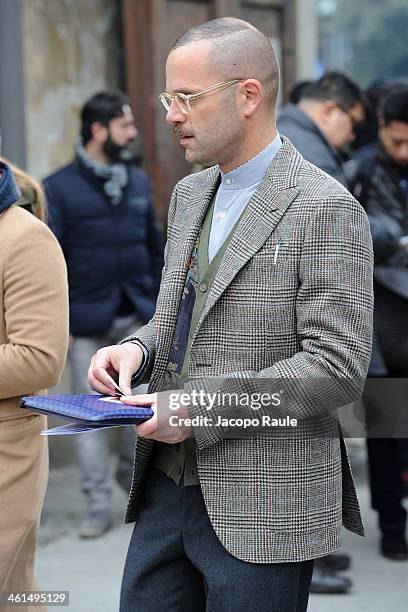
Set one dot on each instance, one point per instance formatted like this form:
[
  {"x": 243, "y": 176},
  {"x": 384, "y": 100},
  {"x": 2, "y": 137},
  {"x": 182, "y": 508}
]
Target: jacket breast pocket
[{"x": 274, "y": 266}]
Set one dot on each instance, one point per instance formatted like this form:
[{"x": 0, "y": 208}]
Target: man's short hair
[
  {"x": 394, "y": 107},
  {"x": 102, "y": 107},
  {"x": 239, "y": 50},
  {"x": 297, "y": 91},
  {"x": 335, "y": 86}
]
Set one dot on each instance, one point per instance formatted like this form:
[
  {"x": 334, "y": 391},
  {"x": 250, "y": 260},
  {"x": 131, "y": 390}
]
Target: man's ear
[
  {"x": 253, "y": 92},
  {"x": 99, "y": 132}
]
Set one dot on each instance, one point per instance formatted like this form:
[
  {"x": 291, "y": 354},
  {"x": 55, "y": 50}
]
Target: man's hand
[
  {"x": 158, "y": 427},
  {"x": 117, "y": 362}
]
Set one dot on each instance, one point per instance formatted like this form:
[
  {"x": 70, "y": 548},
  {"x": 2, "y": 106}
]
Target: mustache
[{"x": 178, "y": 131}]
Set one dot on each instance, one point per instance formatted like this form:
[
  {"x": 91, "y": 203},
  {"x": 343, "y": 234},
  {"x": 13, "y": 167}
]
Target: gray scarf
[{"x": 115, "y": 176}]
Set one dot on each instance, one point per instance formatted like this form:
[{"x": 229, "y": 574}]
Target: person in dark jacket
[
  {"x": 381, "y": 185},
  {"x": 324, "y": 120},
  {"x": 319, "y": 125},
  {"x": 100, "y": 209}
]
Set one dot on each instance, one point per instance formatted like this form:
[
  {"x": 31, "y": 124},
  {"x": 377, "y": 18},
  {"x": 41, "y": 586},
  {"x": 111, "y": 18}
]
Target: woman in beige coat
[{"x": 33, "y": 345}]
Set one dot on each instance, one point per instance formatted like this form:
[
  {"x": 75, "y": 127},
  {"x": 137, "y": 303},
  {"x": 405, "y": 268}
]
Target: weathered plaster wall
[{"x": 70, "y": 51}]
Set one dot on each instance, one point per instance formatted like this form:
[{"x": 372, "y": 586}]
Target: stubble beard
[{"x": 221, "y": 143}]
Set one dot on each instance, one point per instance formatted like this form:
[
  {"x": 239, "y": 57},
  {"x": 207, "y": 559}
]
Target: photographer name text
[{"x": 220, "y": 421}]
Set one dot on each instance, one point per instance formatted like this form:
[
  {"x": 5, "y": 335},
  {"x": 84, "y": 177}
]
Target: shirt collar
[{"x": 253, "y": 171}]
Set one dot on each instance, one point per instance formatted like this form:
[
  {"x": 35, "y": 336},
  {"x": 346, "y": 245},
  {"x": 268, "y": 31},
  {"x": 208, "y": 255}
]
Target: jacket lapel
[{"x": 194, "y": 209}]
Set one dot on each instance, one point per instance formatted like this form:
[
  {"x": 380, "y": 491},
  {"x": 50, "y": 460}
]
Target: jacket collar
[
  {"x": 262, "y": 214},
  {"x": 252, "y": 171},
  {"x": 264, "y": 210},
  {"x": 295, "y": 114},
  {"x": 197, "y": 191}
]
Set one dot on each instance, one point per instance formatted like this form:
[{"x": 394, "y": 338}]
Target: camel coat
[{"x": 33, "y": 345}]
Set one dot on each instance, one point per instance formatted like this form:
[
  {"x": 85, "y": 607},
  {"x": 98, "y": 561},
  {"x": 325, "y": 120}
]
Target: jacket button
[{"x": 203, "y": 287}]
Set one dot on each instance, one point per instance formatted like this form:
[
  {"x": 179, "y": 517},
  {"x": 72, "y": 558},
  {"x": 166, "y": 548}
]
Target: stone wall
[{"x": 71, "y": 49}]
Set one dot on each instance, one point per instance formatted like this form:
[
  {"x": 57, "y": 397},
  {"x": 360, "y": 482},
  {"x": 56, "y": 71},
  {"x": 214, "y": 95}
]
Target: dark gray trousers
[{"x": 176, "y": 563}]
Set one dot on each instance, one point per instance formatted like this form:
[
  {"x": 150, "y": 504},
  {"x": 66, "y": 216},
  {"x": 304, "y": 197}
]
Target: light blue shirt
[{"x": 236, "y": 189}]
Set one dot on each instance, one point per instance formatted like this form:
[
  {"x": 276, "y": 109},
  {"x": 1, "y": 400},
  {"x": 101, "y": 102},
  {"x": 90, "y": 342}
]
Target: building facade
[{"x": 59, "y": 52}]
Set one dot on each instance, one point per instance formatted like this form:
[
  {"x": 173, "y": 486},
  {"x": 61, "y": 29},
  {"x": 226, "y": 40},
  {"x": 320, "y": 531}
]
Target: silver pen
[{"x": 276, "y": 253}]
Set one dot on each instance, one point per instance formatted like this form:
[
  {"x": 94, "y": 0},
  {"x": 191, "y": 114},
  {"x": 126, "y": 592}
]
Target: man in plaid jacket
[{"x": 266, "y": 287}]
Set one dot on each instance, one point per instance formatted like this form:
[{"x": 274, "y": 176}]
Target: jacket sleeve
[
  {"x": 334, "y": 308},
  {"x": 385, "y": 231},
  {"x": 385, "y": 235},
  {"x": 36, "y": 313},
  {"x": 155, "y": 246}
]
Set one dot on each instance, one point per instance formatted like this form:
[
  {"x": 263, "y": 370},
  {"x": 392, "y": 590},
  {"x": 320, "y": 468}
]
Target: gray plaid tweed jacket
[{"x": 304, "y": 314}]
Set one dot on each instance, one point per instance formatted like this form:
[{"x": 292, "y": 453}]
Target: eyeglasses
[{"x": 183, "y": 100}]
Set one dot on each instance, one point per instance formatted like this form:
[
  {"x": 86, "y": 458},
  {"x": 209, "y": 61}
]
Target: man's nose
[
  {"x": 175, "y": 114},
  {"x": 133, "y": 131}
]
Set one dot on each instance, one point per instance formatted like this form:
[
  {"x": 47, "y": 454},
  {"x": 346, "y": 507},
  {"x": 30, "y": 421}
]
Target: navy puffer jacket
[{"x": 114, "y": 254}]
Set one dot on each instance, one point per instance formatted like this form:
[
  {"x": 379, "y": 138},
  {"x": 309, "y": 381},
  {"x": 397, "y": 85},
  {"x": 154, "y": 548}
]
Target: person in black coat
[
  {"x": 320, "y": 124},
  {"x": 100, "y": 209},
  {"x": 381, "y": 185}
]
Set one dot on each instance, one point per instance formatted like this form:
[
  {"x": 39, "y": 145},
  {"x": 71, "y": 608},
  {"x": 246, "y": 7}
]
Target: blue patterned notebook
[{"x": 91, "y": 411}]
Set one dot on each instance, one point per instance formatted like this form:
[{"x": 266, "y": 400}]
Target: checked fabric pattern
[
  {"x": 86, "y": 409},
  {"x": 292, "y": 300}
]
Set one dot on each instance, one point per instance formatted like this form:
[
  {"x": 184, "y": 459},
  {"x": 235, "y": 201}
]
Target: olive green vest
[{"x": 179, "y": 460}]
